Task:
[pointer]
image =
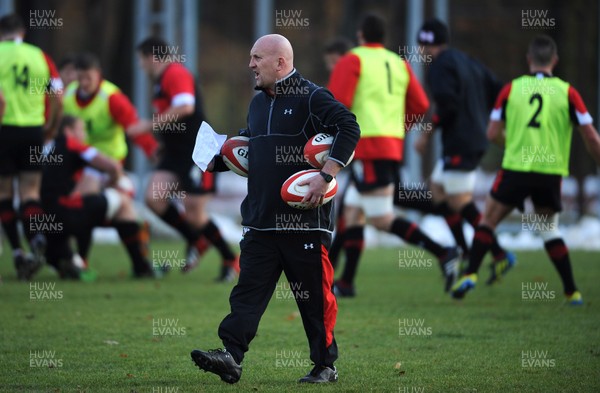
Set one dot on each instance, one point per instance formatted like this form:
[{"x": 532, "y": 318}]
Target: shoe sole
[
  {"x": 204, "y": 364},
  {"x": 318, "y": 382}
]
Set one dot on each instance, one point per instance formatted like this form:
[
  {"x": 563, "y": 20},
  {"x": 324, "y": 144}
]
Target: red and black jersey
[
  {"x": 65, "y": 159},
  {"x": 175, "y": 87}
]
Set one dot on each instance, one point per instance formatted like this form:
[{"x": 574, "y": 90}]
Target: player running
[
  {"x": 27, "y": 77},
  {"x": 464, "y": 92},
  {"x": 178, "y": 115},
  {"x": 67, "y": 157},
  {"x": 379, "y": 88},
  {"x": 536, "y": 111}
]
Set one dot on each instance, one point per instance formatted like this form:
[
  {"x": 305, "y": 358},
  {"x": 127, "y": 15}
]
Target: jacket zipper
[{"x": 270, "y": 114}]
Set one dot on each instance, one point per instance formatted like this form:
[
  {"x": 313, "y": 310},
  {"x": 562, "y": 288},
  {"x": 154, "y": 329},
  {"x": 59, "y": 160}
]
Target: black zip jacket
[
  {"x": 464, "y": 92},
  {"x": 278, "y": 127}
]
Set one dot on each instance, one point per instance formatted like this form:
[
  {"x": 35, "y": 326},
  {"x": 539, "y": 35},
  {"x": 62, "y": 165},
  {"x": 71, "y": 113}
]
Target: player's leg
[
  {"x": 8, "y": 214},
  {"x": 159, "y": 200},
  {"x": 29, "y": 175},
  {"x": 90, "y": 183},
  {"x": 121, "y": 214},
  {"x": 198, "y": 194},
  {"x": 508, "y": 191},
  {"x": 379, "y": 211},
  {"x": 9, "y": 151},
  {"x": 483, "y": 239},
  {"x": 547, "y": 203},
  {"x": 310, "y": 275},
  {"x": 452, "y": 218},
  {"x": 24, "y": 263},
  {"x": 353, "y": 242},
  {"x": 32, "y": 215},
  {"x": 260, "y": 264},
  {"x": 340, "y": 229},
  {"x": 459, "y": 186}
]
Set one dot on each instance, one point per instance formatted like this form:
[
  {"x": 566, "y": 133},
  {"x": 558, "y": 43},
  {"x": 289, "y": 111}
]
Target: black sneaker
[
  {"x": 145, "y": 271},
  {"x": 220, "y": 362},
  {"x": 26, "y": 266},
  {"x": 341, "y": 289},
  {"x": 450, "y": 267},
  {"x": 320, "y": 374},
  {"x": 38, "y": 248}
]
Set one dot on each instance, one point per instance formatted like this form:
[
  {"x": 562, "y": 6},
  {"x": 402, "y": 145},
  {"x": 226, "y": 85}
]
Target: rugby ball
[
  {"x": 316, "y": 150},
  {"x": 292, "y": 193},
  {"x": 235, "y": 154}
]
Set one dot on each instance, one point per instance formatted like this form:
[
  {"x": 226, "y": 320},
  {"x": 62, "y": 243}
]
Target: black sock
[
  {"x": 454, "y": 222},
  {"x": 172, "y": 217},
  {"x": 130, "y": 233},
  {"x": 473, "y": 216},
  {"x": 212, "y": 233},
  {"x": 411, "y": 233},
  {"x": 559, "y": 254},
  {"x": 84, "y": 242},
  {"x": 354, "y": 243},
  {"x": 8, "y": 216},
  {"x": 482, "y": 241},
  {"x": 336, "y": 247},
  {"x": 29, "y": 210}
]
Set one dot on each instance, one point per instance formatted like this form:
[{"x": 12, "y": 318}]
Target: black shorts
[
  {"x": 76, "y": 214},
  {"x": 192, "y": 179},
  {"x": 79, "y": 213},
  {"x": 512, "y": 187},
  {"x": 371, "y": 174},
  {"x": 21, "y": 149},
  {"x": 463, "y": 162}
]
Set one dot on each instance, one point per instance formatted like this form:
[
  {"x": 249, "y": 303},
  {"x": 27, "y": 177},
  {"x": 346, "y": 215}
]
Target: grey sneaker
[{"x": 320, "y": 374}]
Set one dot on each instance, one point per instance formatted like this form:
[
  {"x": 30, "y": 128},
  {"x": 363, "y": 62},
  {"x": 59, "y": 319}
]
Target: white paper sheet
[{"x": 208, "y": 144}]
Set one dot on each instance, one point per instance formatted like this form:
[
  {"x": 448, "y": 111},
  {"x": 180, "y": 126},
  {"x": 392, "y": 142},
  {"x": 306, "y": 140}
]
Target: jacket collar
[{"x": 293, "y": 74}]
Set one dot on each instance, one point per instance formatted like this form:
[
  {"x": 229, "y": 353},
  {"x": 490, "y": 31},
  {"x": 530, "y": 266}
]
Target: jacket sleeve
[{"x": 330, "y": 116}]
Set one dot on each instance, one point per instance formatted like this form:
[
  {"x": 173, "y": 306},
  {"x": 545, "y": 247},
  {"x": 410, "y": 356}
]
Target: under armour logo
[
  {"x": 287, "y": 111},
  {"x": 309, "y": 245}
]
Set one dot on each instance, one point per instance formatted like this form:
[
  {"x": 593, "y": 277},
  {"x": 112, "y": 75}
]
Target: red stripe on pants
[
  {"x": 329, "y": 302},
  {"x": 208, "y": 180}
]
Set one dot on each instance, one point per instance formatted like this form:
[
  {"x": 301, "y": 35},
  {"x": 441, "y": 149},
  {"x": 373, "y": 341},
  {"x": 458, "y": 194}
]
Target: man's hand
[{"x": 317, "y": 187}]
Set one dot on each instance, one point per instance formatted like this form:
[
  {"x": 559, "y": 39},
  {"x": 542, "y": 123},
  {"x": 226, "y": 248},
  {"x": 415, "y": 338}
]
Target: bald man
[{"x": 287, "y": 112}]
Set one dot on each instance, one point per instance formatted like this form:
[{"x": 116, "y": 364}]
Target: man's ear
[{"x": 280, "y": 63}]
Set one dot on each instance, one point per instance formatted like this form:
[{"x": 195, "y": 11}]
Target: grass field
[{"x": 401, "y": 334}]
